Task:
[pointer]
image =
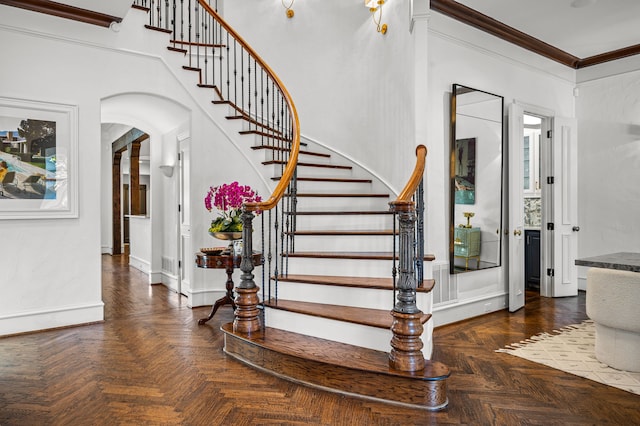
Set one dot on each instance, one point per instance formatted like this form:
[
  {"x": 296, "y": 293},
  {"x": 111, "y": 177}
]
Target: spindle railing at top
[{"x": 255, "y": 94}]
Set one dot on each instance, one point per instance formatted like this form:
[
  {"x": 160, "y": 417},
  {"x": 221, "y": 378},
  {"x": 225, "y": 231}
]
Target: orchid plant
[{"x": 228, "y": 199}]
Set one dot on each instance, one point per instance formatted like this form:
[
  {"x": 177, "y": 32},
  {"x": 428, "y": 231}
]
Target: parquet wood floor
[{"x": 150, "y": 363}]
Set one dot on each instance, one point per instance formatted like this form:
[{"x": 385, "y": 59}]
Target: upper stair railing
[
  {"x": 255, "y": 94},
  {"x": 408, "y": 208}
]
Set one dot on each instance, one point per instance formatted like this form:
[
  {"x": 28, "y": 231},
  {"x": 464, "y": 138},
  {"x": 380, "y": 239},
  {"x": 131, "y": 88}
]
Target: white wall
[
  {"x": 608, "y": 111},
  {"x": 463, "y": 55},
  {"x": 353, "y": 87},
  {"x": 52, "y": 275}
]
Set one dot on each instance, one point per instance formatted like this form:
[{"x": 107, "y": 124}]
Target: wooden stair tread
[
  {"x": 380, "y": 318},
  {"x": 245, "y": 117},
  {"x": 326, "y": 179},
  {"x": 339, "y": 195},
  {"x": 361, "y": 282},
  {"x": 350, "y": 255},
  {"x": 338, "y": 233},
  {"x": 160, "y": 29},
  {"x": 177, "y": 49},
  {"x": 303, "y": 164},
  {"x": 265, "y": 134},
  {"x": 342, "y": 212},
  {"x": 335, "y": 353},
  {"x": 279, "y": 148}
]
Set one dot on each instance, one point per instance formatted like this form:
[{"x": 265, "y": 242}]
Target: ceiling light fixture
[
  {"x": 375, "y": 7},
  {"x": 289, "y": 11}
]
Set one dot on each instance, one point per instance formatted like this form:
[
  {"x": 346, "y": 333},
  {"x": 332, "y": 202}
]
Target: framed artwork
[
  {"x": 465, "y": 171},
  {"x": 38, "y": 159}
]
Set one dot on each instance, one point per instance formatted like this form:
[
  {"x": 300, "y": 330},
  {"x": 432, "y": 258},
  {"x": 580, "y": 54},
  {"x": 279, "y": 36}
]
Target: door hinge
[
  {"x": 550, "y": 226},
  {"x": 550, "y": 272},
  {"x": 549, "y": 133},
  {"x": 179, "y": 264},
  {"x": 179, "y": 156},
  {"x": 550, "y": 180},
  {"x": 179, "y": 207}
]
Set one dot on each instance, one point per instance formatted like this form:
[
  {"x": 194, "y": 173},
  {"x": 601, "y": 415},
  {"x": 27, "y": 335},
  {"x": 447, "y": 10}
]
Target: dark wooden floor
[{"x": 150, "y": 363}]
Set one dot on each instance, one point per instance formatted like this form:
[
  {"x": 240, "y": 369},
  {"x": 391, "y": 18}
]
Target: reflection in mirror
[{"x": 476, "y": 179}]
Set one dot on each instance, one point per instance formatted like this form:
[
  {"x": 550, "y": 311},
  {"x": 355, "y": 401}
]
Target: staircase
[{"x": 335, "y": 262}]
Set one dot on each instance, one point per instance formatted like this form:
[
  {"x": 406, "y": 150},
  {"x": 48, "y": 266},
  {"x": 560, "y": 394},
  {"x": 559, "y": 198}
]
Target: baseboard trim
[
  {"x": 24, "y": 322},
  {"x": 466, "y": 309}
]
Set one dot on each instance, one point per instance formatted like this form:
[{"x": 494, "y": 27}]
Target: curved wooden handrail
[
  {"x": 404, "y": 199},
  {"x": 290, "y": 168}
]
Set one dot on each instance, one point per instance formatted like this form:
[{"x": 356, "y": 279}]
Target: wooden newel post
[
  {"x": 406, "y": 344},
  {"x": 247, "y": 314}
]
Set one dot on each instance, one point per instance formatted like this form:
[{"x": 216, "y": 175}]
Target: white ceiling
[{"x": 582, "y": 28}]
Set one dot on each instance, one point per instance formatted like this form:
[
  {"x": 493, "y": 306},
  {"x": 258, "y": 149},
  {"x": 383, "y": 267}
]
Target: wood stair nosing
[
  {"x": 265, "y": 134},
  {"x": 359, "y": 282},
  {"x": 245, "y": 116},
  {"x": 198, "y": 70},
  {"x": 350, "y": 255},
  {"x": 341, "y": 212},
  {"x": 326, "y": 364},
  {"x": 159, "y": 29},
  {"x": 378, "y": 318},
  {"x": 338, "y": 195},
  {"x": 327, "y": 179},
  {"x": 302, "y": 164},
  {"x": 279, "y": 148},
  {"x": 341, "y": 233},
  {"x": 143, "y": 8},
  {"x": 177, "y": 49},
  {"x": 193, "y": 43}
]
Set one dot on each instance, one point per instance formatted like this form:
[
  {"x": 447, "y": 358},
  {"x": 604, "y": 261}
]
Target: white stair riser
[
  {"x": 322, "y": 204},
  {"x": 349, "y": 296},
  {"x": 344, "y": 243},
  {"x": 354, "y": 334},
  {"x": 344, "y": 267},
  {"x": 314, "y": 171},
  {"x": 324, "y": 187},
  {"x": 344, "y": 222}
]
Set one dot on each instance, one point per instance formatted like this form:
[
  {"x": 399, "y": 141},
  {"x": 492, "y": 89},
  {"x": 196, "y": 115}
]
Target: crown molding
[{"x": 489, "y": 25}]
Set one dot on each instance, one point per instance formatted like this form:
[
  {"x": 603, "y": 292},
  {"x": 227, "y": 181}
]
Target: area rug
[{"x": 572, "y": 349}]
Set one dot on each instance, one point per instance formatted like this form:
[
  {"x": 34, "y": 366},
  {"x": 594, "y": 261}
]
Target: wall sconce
[
  {"x": 289, "y": 12},
  {"x": 167, "y": 169},
  {"x": 375, "y": 7}
]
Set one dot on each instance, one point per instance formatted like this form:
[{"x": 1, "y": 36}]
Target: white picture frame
[{"x": 55, "y": 193}]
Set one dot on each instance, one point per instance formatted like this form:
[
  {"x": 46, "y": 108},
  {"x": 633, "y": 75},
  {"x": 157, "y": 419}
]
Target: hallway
[{"x": 150, "y": 363}]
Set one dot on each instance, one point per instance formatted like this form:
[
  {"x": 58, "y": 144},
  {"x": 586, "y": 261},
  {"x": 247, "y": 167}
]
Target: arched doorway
[{"x": 154, "y": 233}]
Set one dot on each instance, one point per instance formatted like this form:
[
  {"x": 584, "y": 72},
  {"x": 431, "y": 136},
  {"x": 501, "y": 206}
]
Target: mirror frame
[{"x": 456, "y": 89}]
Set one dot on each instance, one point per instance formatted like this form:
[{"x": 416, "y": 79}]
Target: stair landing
[{"x": 332, "y": 366}]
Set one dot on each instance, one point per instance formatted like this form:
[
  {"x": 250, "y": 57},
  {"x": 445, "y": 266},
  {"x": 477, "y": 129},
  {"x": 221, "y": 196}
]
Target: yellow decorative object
[
  {"x": 289, "y": 11},
  {"x": 375, "y": 7},
  {"x": 468, "y": 215}
]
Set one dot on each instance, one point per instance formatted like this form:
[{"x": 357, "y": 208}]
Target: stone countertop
[{"x": 621, "y": 261}]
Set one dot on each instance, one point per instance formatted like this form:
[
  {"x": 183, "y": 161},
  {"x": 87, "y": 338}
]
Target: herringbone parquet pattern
[{"x": 150, "y": 363}]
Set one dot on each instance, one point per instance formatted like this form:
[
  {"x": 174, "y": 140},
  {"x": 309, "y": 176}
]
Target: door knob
[
  {"x": 575, "y": 228},
  {"x": 517, "y": 233}
]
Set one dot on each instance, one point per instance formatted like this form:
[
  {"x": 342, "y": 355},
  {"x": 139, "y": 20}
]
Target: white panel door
[
  {"x": 565, "y": 204},
  {"x": 184, "y": 210},
  {"x": 516, "y": 207}
]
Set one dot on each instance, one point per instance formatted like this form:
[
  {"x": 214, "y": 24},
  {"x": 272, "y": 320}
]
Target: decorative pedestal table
[
  {"x": 613, "y": 295},
  {"x": 228, "y": 261}
]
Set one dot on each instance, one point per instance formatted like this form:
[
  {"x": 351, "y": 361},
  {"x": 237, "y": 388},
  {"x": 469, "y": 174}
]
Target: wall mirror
[{"x": 476, "y": 164}]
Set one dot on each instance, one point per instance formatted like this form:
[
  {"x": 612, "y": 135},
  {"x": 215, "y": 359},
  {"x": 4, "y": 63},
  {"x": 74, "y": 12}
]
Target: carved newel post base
[
  {"x": 247, "y": 314},
  {"x": 406, "y": 353}
]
